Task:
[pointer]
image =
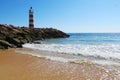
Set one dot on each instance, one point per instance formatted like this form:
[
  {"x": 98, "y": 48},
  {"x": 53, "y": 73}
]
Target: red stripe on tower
[{"x": 31, "y": 19}]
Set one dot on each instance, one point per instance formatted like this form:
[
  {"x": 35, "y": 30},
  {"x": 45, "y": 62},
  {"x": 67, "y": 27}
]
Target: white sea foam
[
  {"x": 98, "y": 51},
  {"x": 57, "y": 59}
]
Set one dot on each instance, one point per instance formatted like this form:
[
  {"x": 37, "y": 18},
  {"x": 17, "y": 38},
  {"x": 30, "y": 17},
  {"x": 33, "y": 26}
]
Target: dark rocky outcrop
[
  {"x": 4, "y": 44},
  {"x": 11, "y": 36}
]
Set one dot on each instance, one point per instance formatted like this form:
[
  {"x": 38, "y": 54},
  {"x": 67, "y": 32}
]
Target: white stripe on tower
[{"x": 31, "y": 19}]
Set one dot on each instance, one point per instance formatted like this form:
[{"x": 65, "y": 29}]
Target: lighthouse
[{"x": 31, "y": 18}]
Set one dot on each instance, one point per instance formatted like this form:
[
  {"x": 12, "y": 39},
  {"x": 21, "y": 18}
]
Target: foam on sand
[
  {"x": 79, "y": 67},
  {"x": 93, "y": 52}
]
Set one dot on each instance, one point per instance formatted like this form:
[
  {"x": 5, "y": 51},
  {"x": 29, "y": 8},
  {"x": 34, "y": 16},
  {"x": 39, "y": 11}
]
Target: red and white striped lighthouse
[{"x": 31, "y": 18}]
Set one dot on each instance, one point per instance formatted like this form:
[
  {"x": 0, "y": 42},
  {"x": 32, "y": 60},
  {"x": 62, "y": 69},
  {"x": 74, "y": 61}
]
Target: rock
[
  {"x": 11, "y": 36},
  {"x": 4, "y": 44},
  {"x": 15, "y": 41}
]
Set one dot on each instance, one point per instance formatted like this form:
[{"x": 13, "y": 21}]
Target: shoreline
[{"x": 19, "y": 66}]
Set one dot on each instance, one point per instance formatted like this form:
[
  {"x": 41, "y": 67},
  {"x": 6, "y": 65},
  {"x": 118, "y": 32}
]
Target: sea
[{"x": 97, "y": 48}]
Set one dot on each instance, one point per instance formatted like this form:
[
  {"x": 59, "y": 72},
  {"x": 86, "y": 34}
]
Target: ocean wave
[{"x": 104, "y": 51}]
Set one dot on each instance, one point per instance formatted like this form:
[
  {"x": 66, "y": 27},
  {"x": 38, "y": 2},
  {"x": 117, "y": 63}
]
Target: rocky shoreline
[{"x": 13, "y": 37}]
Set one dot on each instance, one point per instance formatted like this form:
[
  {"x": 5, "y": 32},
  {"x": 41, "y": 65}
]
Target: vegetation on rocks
[
  {"x": 4, "y": 44},
  {"x": 11, "y": 36}
]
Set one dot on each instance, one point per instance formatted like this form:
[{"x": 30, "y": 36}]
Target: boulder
[
  {"x": 4, "y": 44},
  {"x": 15, "y": 41}
]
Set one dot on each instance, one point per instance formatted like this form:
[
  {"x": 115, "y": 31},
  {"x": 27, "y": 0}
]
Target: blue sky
[{"x": 66, "y": 15}]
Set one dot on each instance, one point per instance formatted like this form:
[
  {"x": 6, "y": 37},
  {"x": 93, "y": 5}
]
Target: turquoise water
[
  {"x": 87, "y": 38},
  {"x": 94, "y": 47}
]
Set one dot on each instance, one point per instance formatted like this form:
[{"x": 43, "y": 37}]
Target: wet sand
[{"x": 16, "y": 66}]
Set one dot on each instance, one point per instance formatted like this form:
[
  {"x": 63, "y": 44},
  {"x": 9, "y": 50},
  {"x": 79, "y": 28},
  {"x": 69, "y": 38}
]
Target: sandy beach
[{"x": 16, "y": 66}]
